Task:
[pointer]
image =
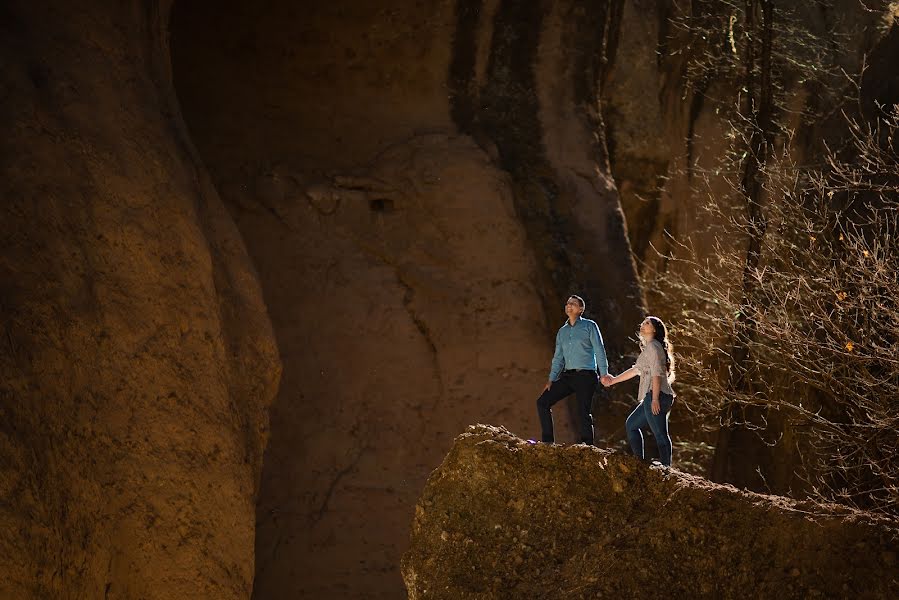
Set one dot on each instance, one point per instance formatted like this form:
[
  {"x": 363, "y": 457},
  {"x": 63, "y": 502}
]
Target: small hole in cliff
[
  {"x": 381, "y": 205},
  {"x": 39, "y": 77}
]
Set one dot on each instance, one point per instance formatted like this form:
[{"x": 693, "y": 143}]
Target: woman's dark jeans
[{"x": 642, "y": 417}]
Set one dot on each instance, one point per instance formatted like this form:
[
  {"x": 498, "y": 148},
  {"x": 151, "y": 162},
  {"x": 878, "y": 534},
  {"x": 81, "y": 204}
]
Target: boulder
[{"x": 507, "y": 518}]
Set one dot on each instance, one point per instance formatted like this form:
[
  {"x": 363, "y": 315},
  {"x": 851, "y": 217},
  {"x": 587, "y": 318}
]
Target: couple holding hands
[{"x": 580, "y": 354}]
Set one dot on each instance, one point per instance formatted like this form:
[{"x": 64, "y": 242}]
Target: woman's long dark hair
[{"x": 661, "y": 334}]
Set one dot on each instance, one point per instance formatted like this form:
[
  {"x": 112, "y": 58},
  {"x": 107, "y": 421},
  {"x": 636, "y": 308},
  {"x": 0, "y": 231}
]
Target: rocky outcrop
[
  {"x": 420, "y": 186},
  {"x": 504, "y": 518},
  {"x": 137, "y": 361}
]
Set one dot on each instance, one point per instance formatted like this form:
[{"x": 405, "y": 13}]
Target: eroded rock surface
[
  {"x": 420, "y": 186},
  {"x": 137, "y": 361},
  {"x": 670, "y": 98},
  {"x": 503, "y": 518}
]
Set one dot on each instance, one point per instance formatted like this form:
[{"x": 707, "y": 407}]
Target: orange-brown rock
[
  {"x": 669, "y": 100},
  {"x": 503, "y": 518},
  {"x": 399, "y": 194},
  {"x": 137, "y": 361},
  {"x": 420, "y": 186}
]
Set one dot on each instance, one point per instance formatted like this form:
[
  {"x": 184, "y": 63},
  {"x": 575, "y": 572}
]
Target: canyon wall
[
  {"x": 670, "y": 97},
  {"x": 390, "y": 199},
  {"x": 420, "y": 185},
  {"x": 138, "y": 360}
]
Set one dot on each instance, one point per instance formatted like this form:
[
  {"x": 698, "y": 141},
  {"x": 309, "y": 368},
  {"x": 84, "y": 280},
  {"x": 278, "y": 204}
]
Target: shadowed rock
[{"x": 138, "y": 359}]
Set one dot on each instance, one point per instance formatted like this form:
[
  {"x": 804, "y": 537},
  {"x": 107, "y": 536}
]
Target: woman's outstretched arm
[{"x": 629, "y": 374}]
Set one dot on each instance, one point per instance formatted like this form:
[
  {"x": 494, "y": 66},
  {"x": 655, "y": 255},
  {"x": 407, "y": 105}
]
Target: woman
[{"x": 655, "y": 366}]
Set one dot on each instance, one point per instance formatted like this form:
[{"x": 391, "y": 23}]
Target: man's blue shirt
[{"x": 579, "y": 346}]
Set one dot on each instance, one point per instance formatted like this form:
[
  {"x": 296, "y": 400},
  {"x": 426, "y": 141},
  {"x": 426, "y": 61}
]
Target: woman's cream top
[{"x": 650, "y": 363}]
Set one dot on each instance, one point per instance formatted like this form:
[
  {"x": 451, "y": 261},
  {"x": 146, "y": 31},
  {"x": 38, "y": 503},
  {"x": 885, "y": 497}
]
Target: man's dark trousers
[{"x": 581, "y": 383}]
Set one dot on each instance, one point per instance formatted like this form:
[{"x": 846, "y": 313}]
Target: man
[{"x": 579, "y": 352}]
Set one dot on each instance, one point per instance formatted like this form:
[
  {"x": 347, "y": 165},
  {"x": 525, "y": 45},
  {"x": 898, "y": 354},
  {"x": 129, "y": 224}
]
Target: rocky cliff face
[
  {"x": 420, "y": 185},
  {"x": 398, "y": 195},
  {"x": 138, "y": 360},
  {"x": 503, "y": 518},
  {"x": 670, "y": 94}
]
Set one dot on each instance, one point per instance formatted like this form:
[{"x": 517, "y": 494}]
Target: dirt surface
[
  {"x": 137, "y": 360},
  {"x": 504, "y": 518}
]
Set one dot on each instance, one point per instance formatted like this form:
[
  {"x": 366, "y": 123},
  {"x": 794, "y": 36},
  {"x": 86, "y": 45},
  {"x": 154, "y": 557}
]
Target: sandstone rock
[
  {"x": 420, "y": 186},
  {"x": 668, "y": 128},
  {"x": 669, "y": 531},
  {"x": 137, "y": 360}
]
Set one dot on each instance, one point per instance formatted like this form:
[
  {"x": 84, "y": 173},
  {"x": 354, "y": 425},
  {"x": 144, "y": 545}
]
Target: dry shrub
[{"x": 816, "y": 321}]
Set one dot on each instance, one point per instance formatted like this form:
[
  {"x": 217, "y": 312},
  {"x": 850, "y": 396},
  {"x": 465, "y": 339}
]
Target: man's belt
[{"x": 572, "y": 371}]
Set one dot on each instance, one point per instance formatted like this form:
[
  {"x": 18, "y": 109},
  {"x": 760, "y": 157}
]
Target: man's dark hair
[{"x": 580, "y": 301}]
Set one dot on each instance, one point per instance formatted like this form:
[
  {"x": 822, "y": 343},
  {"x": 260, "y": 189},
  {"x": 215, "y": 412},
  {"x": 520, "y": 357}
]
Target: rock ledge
[{"x": 507, "y": 518}]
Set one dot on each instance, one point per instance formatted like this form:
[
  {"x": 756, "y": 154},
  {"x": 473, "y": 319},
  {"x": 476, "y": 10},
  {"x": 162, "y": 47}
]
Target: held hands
[{"x": 606, "y": 380}]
